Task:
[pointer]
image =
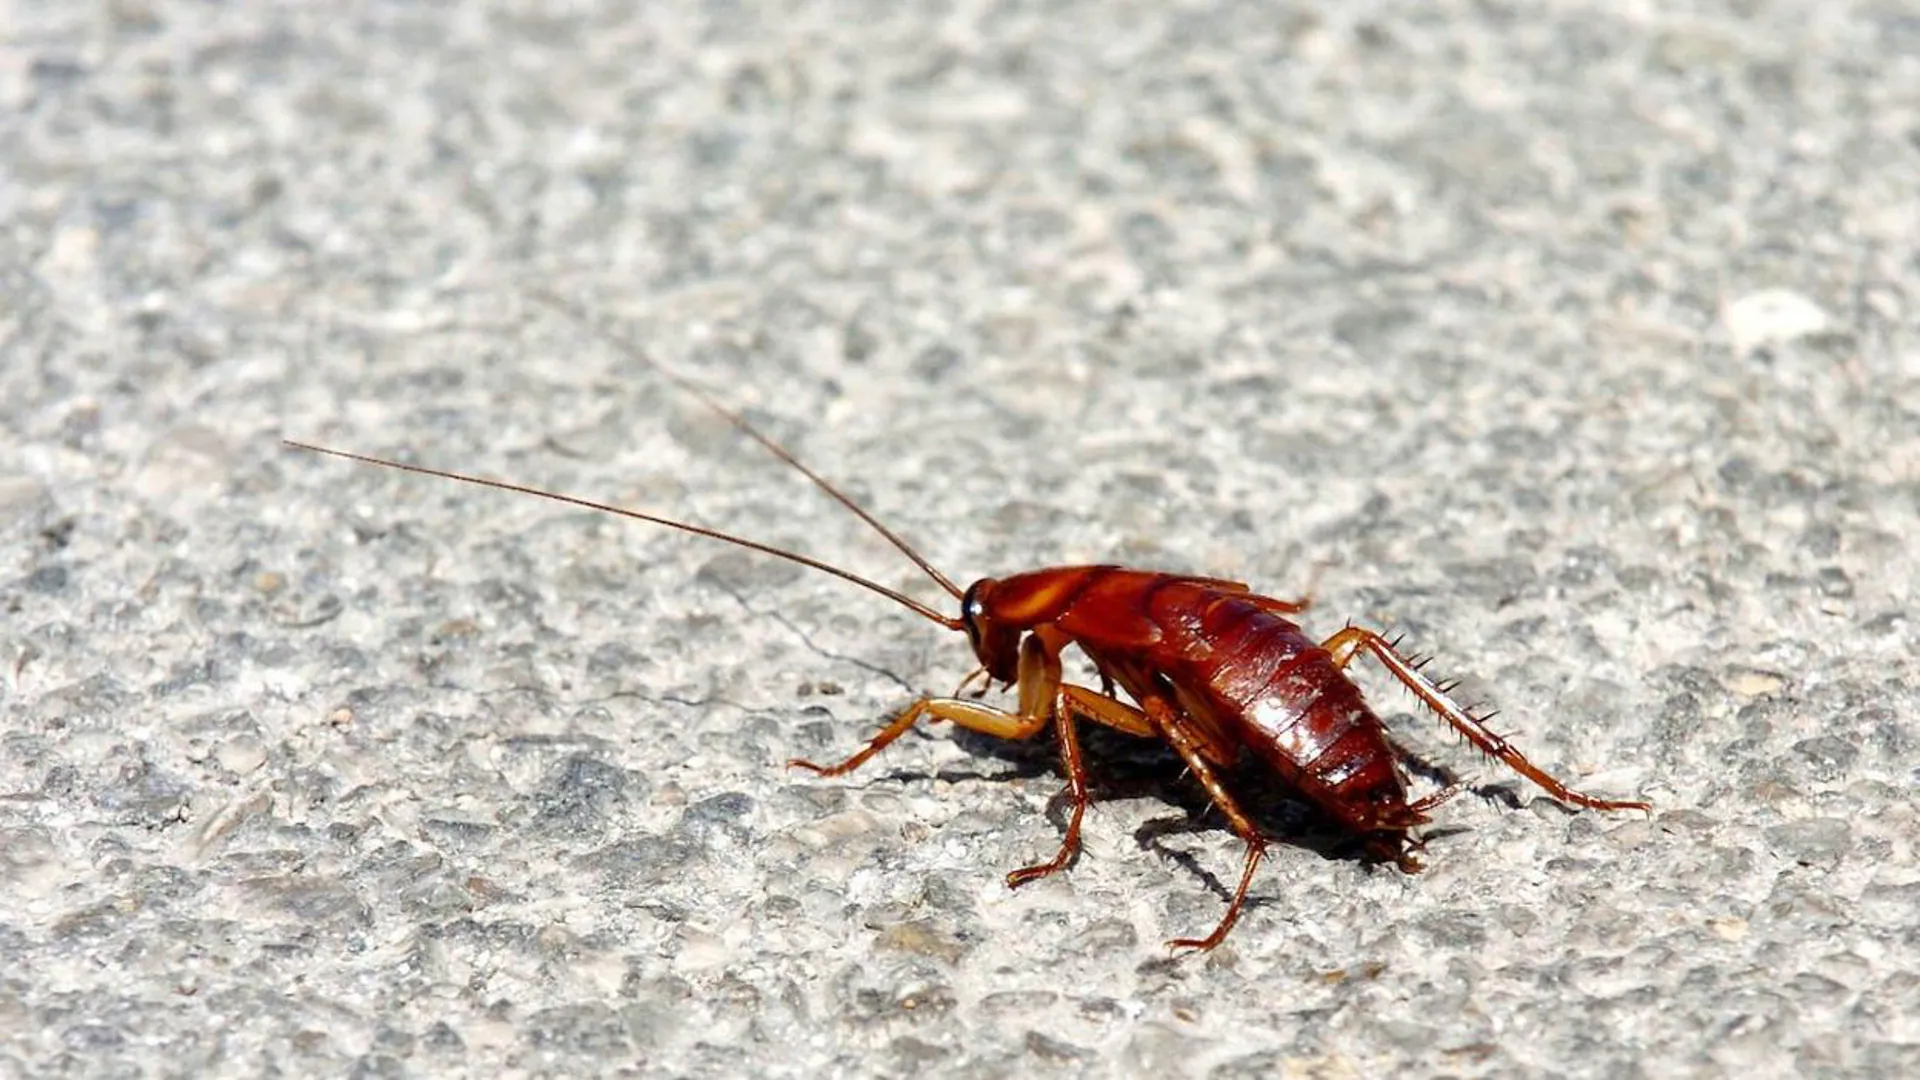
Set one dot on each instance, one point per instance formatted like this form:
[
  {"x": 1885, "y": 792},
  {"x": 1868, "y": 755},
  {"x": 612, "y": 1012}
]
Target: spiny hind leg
[
  {"x": 1173, "y": 726},
  {"x": 1345, "y": 644}
]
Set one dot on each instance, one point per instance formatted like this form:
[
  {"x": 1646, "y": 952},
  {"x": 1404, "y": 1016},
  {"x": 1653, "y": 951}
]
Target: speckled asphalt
[{"x": 1580, "y": 342}]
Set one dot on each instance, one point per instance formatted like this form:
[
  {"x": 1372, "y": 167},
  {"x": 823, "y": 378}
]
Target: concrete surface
[{"x": 1576, "y": 340}]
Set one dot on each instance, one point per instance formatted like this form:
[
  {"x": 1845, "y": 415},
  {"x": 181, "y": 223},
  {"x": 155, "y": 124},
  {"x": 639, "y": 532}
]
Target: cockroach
[{"x": 1213, "y": 669}]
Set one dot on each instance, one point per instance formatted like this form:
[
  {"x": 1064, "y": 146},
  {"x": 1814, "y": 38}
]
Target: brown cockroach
[{"x": 1214, "y": 669}]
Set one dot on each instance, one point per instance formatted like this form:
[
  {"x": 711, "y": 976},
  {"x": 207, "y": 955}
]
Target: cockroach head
[{"x": 997, "y": 646}]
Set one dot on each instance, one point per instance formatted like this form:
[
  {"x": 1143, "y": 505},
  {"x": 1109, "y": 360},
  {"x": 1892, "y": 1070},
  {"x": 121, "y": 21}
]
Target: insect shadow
[{"x": 1125, "y": 768}]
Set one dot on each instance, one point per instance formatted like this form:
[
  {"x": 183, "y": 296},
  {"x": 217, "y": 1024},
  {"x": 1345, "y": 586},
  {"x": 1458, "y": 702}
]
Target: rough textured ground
[{"x": 1576, "y": 340}]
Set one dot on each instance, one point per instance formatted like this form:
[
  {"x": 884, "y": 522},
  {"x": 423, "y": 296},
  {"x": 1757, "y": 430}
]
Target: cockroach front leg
[
  {"x": 1346, "y": 643},
  {"x": 971, "y": 715},
  {"x": 1043, "y": 697},
  {"x": 1039, "y": 679}
]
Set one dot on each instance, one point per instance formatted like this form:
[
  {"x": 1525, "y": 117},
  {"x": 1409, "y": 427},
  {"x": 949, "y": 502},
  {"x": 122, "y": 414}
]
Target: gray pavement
[{"x": 1577, "y": 341}]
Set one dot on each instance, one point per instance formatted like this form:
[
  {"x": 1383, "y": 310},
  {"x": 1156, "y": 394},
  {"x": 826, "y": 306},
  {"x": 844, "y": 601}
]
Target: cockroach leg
[
  {"x": 1345, "y": 644},
  {"x": 1107, "y": 712},
  {"x": 1039, "y": 681},
  {"x": 979, "y": 675},
  {"x": 1076, "y": 770},
  {"x": 1043, "y": 697},
  {"x": 1073, "y": 703},
  {"x": 968, "y": 714},
  {"x": 1173, "y": 727},
  {"x": 1042, "y": 693},
  {"x": 1421, "y": 806}
]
